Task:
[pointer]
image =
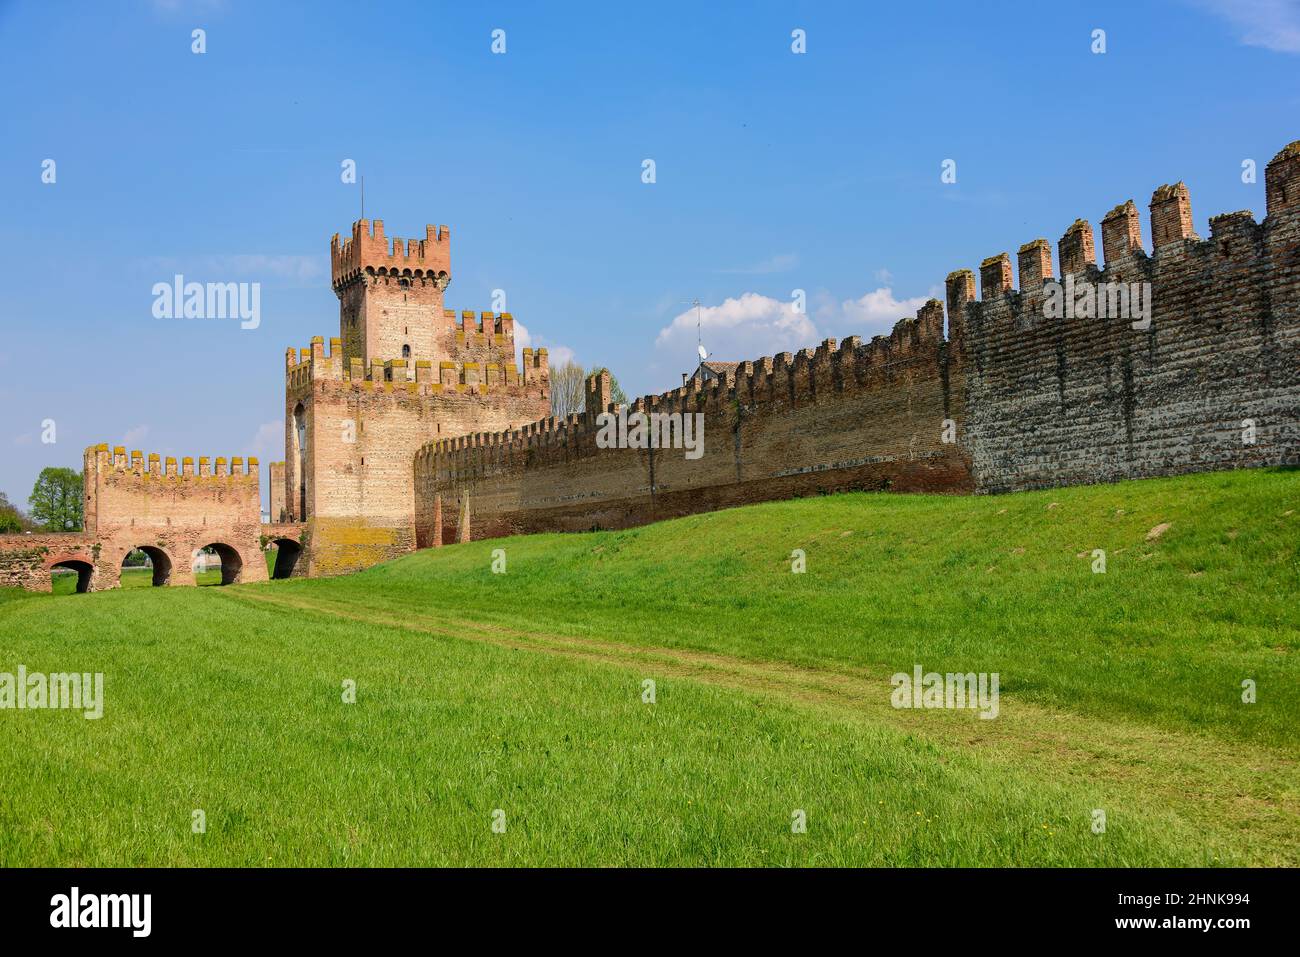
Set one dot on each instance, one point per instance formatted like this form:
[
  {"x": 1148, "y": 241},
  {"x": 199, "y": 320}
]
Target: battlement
[
  {"x": 421, "y": 376},
  {"x": 1229, "y": 300},
  {"x": 99, "y": 460},
  {"x": 1145, "y": 364},
  {"x": 370, "y": 251},
  {"x": 778, "y": 381},
  {"x": 499, "y": 327},
  {"x": 999, "y": 391},
  {"x": 1282, "y": 180},
  {"x": 171, "y": 510},
  {"x": 1173, "y": 238}
]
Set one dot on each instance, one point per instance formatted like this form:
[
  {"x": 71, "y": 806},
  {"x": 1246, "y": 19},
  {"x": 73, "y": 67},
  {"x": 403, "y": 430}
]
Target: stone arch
[
  {"x": 84, "y": 568},
  {"x": 232, "y": 563},
  {"x": 159, "y": 561},
  {"x": 287, "y": 553}
]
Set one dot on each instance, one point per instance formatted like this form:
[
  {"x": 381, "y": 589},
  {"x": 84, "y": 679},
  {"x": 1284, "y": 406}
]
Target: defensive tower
[{"x": 390, "y": 292}]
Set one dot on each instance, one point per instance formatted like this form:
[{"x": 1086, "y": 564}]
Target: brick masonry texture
[
  {"x": 133, "y": 501},
  {"x": 414, "y": 427},
  {"x": 1038, "y": 402},
  {"x": 1073, "y": 400},
  {"x": 404, "y": 371},
  {"x": 776, "y": 428}
]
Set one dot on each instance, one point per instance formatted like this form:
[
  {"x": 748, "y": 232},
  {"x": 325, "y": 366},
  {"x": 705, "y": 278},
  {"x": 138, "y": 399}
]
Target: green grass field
[{"x": 522, "y": 692}]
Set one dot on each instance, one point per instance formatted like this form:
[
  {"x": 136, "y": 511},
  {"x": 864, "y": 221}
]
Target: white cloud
[
  {"x": 523, "y": 338},
  {"x": 268, "y": 441},
  {"x": 871, "y": 314},
  {"x": 752, "y": 325},
  {"x": 556, "y": 355},
  {"x": 745, "y": 327},
  {"x": 1271, "y": 24},
  {"x": 135, "y": 435}
]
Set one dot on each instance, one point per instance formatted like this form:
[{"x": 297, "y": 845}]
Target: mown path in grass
[
  {"x": 522, "y": 691},
  {"x": 1165, "y": 636},
  {"x": 1206, "y": 784},
  {"x": 228, "y": 701}
]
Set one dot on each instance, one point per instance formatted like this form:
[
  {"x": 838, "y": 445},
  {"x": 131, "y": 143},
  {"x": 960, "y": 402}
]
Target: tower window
[
  {"x": 404, "y": 283},
  {"x": 406, "y": 352}
]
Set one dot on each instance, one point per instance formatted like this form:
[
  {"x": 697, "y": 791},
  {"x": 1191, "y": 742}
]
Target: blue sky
[{"x": 775, "y": 171}]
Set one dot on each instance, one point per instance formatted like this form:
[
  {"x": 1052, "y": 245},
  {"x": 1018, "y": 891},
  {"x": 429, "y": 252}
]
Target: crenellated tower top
[
  {"x": 390, "y": 292},
  {"x": 370, "y": 251}
]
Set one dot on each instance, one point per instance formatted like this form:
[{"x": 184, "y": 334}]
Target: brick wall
[
  {"x": 171, "y": 512},
  {"x": 1212, "y": 381},
  {"x": 147, "y": 502},
  {"x": 390, "y": 291},
  {"x": 363, "y": 427},
  {"x": 1062, "y": 401},
  {"x": 278, "y": 506},
  {"x": 26, "y": 560},
  {"x": 453, "y": 442},
  {"x": 858, "y": 416}
]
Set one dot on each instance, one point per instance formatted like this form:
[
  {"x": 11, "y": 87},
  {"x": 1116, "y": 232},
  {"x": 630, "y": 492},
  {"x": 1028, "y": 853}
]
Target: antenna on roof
[
  {"x": 363, "y": 196},
  {"x": 699, "y": 344}
]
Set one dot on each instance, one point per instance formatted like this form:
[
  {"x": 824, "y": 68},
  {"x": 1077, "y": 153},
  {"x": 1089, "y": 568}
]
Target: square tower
[{"x": 390, "y": 293}]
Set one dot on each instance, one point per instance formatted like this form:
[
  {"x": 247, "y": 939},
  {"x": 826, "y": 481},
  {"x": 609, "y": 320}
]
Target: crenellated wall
[
  {"x": 402, "y": 372},
  {"x": 169, "y": 511},
  {"x": 1208, "y": 378},
  {"x": 857, "y": 416},
  {"x": 369, "y": 248},
  {"x": 1211, "y": 381},
  {"x": 352, "y": 432},
  {"x": 415, "y": 428}
]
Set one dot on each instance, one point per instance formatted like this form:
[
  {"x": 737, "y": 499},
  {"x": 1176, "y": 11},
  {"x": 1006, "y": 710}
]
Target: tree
[
  {"x": 12, "y": 521},
  {"x": 56, "y": 499},
  {"x": 566, "y": 389}
]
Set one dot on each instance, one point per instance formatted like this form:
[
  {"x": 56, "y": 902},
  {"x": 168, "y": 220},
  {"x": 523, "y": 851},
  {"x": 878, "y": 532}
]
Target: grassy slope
[
  {"x": 522, "y": 691},
  {"x": 1002, "y": 584}
]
